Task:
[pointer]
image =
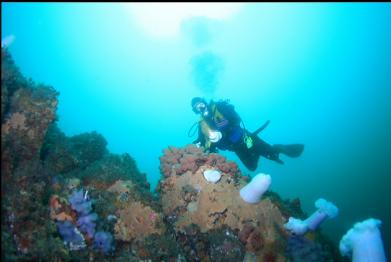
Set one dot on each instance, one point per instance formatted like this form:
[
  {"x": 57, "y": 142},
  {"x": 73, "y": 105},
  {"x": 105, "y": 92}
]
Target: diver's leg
[
  {"x": 248, "y": 157},
  {"x": 266, "y": 150}
]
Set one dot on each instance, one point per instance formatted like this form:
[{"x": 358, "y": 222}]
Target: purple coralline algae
[
  {"x": 103, "y": 241},
  {"x": 82, "y": 205},
  {"x": 71, "y": 235},
  {"x": 87, "y": 224}
]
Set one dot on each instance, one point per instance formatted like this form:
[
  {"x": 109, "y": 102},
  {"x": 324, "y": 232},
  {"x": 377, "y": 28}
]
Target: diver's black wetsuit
[
  {"x": 250, "y": 156},
  {"x": 233, "y": 140}
]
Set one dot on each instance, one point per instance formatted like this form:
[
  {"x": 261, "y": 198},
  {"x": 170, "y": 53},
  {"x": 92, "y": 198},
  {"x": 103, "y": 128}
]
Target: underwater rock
[
  {"x": 135, "y": 218},
  {"x": 251, "y": 237},
  {"x": 72, "y": 183},
  {"x": 137, "y": 221},
  {"x": 63, "y": 154},
  {"x": 25, "y": 215},
  {"x": 194, "y": 208},
  {"x": 11, "y": 80},
  {"x": 300, "y": 248},
  {"x": 103, "y": 173},
  {"x": 59, "y": 210},
  {"x": 87, "y": 148},
  {"x": 155, "y": 248},
  {"x": 122, "y": 189},
  {"x": 218, "y": 205},
  {"x": 225, "y": 246},
  {"x": 177, "y": 161},
  {"x": 29, "y": 109}
]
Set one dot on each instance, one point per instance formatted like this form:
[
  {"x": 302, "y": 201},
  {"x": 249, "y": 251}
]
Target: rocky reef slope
[{"x": 69, "y": 199}]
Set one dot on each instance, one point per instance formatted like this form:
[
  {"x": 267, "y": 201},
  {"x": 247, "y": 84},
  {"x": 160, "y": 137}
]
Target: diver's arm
[
  {"x": 213, "y": 148},
  {"x": 200, "y": 141},
  {"x": 212, "y": 140},
  {"x": 207, "y": 145},
  {"x": 207, "y": 137}
]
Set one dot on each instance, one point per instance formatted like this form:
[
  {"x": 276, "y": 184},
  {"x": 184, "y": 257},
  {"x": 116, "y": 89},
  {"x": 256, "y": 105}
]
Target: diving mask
[{"x": 201, "y": 108}]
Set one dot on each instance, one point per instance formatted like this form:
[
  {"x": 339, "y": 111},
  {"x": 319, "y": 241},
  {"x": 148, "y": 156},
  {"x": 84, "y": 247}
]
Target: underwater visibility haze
[{"x": 126, "y": 73}]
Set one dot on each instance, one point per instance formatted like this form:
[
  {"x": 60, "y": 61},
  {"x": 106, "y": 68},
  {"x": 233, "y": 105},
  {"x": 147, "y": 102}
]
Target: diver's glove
[{"x": 215, "y": 136}]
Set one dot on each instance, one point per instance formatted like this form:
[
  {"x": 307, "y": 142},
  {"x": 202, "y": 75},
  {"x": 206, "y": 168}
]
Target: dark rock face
[
  {"x": 64, "y": 154},
  {"x": 42, "y": 167},
  {"x": 27, "y": 111}
]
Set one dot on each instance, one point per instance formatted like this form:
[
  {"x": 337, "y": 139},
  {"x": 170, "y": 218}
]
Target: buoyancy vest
[
  {"x": 218, "y": 118},
  {"x": 229, "y": 125}
]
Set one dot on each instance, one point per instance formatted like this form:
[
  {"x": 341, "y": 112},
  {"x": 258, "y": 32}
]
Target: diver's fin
[
  {"x": 293, "y": 150},
  {"x": 278, "y": 160}
]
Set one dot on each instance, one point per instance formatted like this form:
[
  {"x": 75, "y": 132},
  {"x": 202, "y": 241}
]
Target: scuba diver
[{"x": 220, "y": 128}]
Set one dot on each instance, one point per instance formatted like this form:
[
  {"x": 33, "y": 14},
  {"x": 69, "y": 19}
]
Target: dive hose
[
  {"x": 261, "y": 128},
  {"x": 192, "y": 130}
]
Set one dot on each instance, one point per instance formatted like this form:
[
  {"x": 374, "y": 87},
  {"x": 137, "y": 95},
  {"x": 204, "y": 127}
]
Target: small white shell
[{"x": 212, "y": 176}]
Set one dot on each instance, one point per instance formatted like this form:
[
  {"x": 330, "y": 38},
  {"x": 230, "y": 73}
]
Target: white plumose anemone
[
  {"x": 253, "y": 191},
  {"x": 363, "y": 242},
  {"x": 212, "y": 176},
  {"x": 325, "y": 210}
]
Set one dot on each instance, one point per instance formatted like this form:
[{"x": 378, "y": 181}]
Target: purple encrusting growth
[
  {"x": 87, "y": 224},
  {"x": 82, "y": 205},
  {"x": 103, "y": 241},
  {"x": 71, "y": 235}
]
